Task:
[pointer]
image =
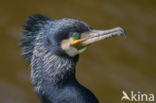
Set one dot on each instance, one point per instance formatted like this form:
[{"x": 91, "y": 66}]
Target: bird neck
[{"x": 49, "y": 67}]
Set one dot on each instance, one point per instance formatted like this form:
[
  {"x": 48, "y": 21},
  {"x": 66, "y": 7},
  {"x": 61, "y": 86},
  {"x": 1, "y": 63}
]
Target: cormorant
[{"x": 52, "y": 49}]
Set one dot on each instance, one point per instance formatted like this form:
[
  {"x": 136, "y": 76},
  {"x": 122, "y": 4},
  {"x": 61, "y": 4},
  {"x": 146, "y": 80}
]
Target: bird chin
[
  {"x": 74, "y": 51},
  {"x": 82, "y": 50}
]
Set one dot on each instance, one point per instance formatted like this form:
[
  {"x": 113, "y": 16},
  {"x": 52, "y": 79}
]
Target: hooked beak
[{"x": 93, "y": 36}]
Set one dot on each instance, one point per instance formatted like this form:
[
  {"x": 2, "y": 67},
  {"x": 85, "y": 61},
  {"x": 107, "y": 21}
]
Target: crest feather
[{"x": 33, "y": 26}]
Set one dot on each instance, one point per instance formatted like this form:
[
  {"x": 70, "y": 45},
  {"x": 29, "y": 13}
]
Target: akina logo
[{"x": 138, "y": 96}]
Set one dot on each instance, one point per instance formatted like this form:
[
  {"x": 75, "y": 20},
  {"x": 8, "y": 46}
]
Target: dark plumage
[
  {"x": 52, "y": 51},
  {"x": 52, "y": 70}
]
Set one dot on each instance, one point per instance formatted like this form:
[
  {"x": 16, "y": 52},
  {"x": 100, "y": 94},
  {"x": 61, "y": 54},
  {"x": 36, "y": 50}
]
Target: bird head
[
  {"x": 60, "y": 37},
  {"x": 74, "y": 36}
]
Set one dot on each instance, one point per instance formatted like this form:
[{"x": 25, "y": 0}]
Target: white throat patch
[{"x": 70, "y": 50}]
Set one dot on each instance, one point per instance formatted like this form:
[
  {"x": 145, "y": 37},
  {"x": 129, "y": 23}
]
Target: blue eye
[{"x": 76, "y": 35}]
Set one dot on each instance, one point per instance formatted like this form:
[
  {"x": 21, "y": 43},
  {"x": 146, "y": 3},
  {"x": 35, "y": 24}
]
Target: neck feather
[{"x": 49, "y": 67}]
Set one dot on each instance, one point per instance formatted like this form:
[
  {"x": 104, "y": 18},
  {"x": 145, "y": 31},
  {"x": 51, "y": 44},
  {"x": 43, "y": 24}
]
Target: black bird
[{"x": 52, "y": 48}]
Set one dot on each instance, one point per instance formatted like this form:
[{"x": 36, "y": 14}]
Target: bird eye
[{"x": 76, "y": 35}]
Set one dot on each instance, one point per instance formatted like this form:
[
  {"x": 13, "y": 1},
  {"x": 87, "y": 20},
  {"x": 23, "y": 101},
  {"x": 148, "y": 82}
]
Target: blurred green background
[{"x": 106, "y": 68}]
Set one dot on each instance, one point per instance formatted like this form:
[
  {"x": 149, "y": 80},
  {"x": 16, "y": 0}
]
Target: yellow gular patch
[{"x": 75, "y": 41}]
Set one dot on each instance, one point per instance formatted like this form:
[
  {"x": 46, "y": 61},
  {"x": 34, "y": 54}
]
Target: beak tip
[{"x": 123, "y": 32}]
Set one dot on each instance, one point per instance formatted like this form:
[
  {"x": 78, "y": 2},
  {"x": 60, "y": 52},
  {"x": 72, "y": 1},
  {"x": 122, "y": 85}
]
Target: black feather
[{"x": 33, "y": 26}]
